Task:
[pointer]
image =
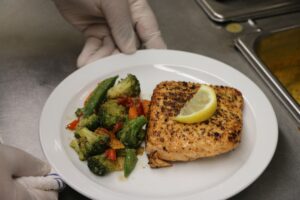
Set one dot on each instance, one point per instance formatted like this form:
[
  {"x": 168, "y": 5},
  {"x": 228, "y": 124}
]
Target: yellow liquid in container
[{"x": 280, "y": 52}]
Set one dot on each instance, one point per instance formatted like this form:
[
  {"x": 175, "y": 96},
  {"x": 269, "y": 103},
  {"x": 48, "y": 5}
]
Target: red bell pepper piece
[
  {"x": 111, "y": 154},
  {"x": 117, "y": 127},
  {"x": 72, "y": 125},
  {"x": 139, "y": 107}
]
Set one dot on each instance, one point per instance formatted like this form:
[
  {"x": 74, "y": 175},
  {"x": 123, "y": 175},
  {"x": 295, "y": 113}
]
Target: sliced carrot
[
  {"x": 132, "y": 113},
  {"x": 101, "y": 130},
  {"x": 146, "y": 107},
  {"x": 114, "y": 142}
]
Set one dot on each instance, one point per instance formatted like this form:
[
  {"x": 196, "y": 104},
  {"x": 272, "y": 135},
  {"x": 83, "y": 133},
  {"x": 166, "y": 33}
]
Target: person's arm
[{"x": 111, "y": 26}]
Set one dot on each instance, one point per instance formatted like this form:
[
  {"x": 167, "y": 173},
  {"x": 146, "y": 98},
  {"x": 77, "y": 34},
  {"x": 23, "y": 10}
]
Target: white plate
[{"x": 213, "y": 178}]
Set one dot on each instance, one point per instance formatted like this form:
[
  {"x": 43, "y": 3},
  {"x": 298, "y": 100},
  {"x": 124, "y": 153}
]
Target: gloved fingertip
[
  {"x": 82, "y": 60},
  {"x": 128, "y": 48},
  {"x": 79, "y": 63},
  {"x": 127, "y": 44},
  {"x": 156, "y": 42},
  {"x": 116, "y": 51}
]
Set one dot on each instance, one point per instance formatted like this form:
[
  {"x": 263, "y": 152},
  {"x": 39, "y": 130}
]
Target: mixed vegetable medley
[{"x": 110, "y": 127}]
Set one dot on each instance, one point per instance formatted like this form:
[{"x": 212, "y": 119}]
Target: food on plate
[
  {"x": 130, "y": 161},
  {"x": 89, "y": 143},
  {"x": 97, "y": 96},
  {"x": 128, "y": 87},
  {"x": 132, "y": 134},
  {"x": 109, "y": 129},
  {"x": 200, "y": 107},
  {"x": 187, "y": 121},
  {"x": 111, "y": 113},
  {"x": 100, "y": 165},
  {"x": 168, "y": 140}
]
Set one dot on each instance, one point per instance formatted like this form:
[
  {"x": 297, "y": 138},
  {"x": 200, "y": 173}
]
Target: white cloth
[
  {"x": 51, "y": 181},
  {"x": 38, "y": 187}
]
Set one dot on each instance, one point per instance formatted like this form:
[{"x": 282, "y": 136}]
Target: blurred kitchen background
[{"x": 261, "y": 39}]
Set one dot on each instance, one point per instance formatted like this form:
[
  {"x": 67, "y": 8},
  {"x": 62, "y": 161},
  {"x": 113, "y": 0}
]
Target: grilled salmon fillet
[{"x": 168, "y": 140}]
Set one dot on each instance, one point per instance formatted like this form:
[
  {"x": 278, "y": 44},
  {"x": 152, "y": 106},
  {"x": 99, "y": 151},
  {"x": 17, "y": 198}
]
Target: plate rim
[{"x": 160, "y": 56}]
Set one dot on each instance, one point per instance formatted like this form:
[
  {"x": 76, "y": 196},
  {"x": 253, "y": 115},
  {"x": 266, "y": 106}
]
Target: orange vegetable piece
[
  {"x": 146, "y": 106},
  {"x": 132, "y": 113},
  {"x": 114, "y": 142}
]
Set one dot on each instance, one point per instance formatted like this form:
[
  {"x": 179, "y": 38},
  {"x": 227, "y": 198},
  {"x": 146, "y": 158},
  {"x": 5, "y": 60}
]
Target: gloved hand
[
  {"x": 111, "y": 26},
  {"x": 15, "y": 163}
]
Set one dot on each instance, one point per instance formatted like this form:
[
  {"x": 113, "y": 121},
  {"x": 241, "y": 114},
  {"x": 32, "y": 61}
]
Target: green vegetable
[
  {"x": 100, "y": 165},
  {"x": 74, "y": 144},
  {"x": 98, "y": 96},
  {"x": 121, "y": 153},
  {"x": 91, "y": 122},
  {"x": 130, "y": 161},
  {"x": 132, "y": 135},
  {"x": 128, "y": 87},
  {"x": 110, "y": 113},
  {"x": 78, "y": 112},
  {"x": 89, "y": 143}
]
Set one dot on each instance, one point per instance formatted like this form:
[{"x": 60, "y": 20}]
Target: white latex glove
[
  {"x": 111, "y": 26},
  {"x": 15, "y": 163}
]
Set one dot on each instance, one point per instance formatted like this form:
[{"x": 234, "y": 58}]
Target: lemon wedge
[{"x": 200, "y": 107}]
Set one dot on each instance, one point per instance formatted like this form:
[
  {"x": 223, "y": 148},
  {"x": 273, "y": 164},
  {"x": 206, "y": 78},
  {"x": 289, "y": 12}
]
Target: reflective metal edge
[
  {"x": 210, "y": 12},
  {"x": 246, "y": 45},
  {"x": 218, "y": 17}
]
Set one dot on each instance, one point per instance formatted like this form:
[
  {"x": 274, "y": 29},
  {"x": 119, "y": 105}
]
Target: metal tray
[
  {"x": 249, "y": 46},
  {"x": 242, "y": 10}
]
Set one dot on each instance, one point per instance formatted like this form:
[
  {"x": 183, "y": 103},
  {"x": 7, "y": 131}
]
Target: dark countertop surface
[{"x": 38, "y": 49}]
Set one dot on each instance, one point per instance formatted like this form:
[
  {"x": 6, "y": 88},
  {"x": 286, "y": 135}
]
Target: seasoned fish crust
[{"x": 168, "y": 140}]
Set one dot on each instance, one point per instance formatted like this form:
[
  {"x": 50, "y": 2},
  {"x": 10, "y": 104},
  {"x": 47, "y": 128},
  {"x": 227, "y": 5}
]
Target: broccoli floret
[
  {"x": 128, "y": 87},
  {"x": 91, "y": 122},
  {"x": 74, "y": 144},
  {"x": 110, "y": 113},
  {"x": 79, "y": 112},
  {"x": 89, "y": 143},
  {"x": 100, "y": 165},
  {"x": 132, "y": 134}
]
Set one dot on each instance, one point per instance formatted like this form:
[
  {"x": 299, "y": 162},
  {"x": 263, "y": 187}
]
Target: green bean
[
  {"x": 130, "y": 161},
  {"x": 98, "y": 96}
]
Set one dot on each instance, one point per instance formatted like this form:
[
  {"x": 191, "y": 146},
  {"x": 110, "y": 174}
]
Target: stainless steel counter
[{"x": 38, "y": 49}]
